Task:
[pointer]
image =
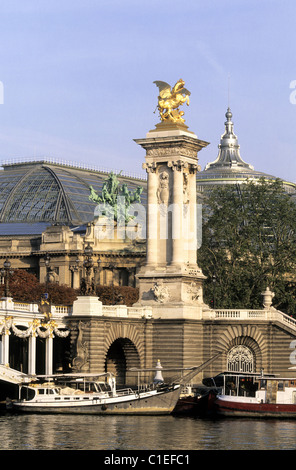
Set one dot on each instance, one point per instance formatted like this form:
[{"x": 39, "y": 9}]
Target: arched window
[{"x": 240, "y": 359}]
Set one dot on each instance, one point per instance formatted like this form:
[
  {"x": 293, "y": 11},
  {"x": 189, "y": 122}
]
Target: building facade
[
  {"x": 170, "y": 322},
  {"x": 47, "y": 220}
]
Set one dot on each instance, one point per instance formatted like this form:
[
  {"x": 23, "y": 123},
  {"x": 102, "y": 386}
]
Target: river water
[{"x": 143, "y": 433}]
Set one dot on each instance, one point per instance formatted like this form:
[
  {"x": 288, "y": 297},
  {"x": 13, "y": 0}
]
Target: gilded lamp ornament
[{"x": 169, "y": 100}]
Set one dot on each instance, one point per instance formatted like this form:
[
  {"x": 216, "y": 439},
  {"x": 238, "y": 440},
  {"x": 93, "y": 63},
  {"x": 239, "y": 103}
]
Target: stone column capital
[
  {"x": 194, "y": 168},
  {"x": 149, "y": 167},
  {"x": 177, "y": 165}
]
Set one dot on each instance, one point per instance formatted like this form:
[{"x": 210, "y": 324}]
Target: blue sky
[{"x": 78, "y": 77}]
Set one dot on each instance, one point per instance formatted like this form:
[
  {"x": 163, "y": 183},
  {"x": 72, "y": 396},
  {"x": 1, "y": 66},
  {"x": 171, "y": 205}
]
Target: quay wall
[{"x": 182, "y": 344}]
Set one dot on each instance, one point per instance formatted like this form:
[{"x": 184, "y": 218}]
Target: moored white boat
[
  {"x": 74, "y": 393},
  {"x": 256, "y": 395},
  {"x": 95, "y": 393}
]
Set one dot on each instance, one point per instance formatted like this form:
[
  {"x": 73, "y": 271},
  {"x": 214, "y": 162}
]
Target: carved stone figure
[
  {"x": 185, "y": 189},
  {"x": 163, "y": 191},
  {"x": 193, "y": 291},
  {"x": 161, "y": 293},
  {"x": 82, "y": 353},
  {"x": 170, "y": 99}
]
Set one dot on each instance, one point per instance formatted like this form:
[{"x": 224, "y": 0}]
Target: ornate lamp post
[
  {"x": 6, "y": 272},
  {"x": 214, "y": 290},
  {"x": 47, "y": 266},
  {"x": 112, "y": 266},
  {"x": 74, "y": 268},
  {"x": 98, "y": 269}
]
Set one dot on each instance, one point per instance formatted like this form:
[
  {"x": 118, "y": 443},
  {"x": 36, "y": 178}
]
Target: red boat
[
  {"x": 192, "y": 403},
  {"x": 256, "y": 395}
]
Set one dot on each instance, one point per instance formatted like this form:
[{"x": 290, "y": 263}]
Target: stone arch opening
[
  {"x": 121, "y": 356},
  {"x": 248, "y": 336}
]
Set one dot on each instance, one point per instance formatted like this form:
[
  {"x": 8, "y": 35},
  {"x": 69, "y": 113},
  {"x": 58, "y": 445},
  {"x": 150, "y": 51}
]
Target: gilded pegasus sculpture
[{"x": 169, "y": 100}]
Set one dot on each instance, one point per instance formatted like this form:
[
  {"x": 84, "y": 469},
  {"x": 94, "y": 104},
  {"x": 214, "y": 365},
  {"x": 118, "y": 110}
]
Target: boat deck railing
[{"x": 125, "y": 391}]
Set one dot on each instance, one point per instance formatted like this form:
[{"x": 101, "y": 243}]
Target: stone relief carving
[
  {"x": 161, "y": 293},
  {"x": 161, "y": 151},
  {"x": 52, "y": 276},
  {"x": 193, "y": 291},
  {"x": 82, "y": 353}
]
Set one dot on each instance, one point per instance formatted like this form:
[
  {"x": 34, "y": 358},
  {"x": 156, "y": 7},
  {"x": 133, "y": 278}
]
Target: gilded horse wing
[
  {"x": 164, "y": 89},
  {"x": 184, "y": 91}
]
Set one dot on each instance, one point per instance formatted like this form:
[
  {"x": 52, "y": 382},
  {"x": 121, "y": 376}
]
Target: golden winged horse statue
[{"x": 170, "y": 99}]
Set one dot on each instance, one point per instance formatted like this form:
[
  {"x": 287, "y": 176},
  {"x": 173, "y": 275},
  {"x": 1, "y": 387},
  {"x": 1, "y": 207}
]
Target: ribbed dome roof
[
  {"x": 48, "y": 192},
  {"x": 229, "y": 167}
]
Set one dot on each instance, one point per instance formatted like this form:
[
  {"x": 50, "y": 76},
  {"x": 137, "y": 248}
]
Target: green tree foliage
[{"x": 249, "y": 243}]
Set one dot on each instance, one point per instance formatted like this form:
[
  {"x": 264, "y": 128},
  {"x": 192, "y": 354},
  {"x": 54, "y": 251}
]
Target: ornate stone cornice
[
  {"x": 182, "y": 145},
  {"x": 170, "y": 151}
]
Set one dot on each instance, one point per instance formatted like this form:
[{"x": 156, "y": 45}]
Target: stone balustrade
[
  {"x": 127, "y": 312},
  {"x": 8, "y": 307},
  {"x": 232, "y": 314},
  {"x": 269, "y": 314}
]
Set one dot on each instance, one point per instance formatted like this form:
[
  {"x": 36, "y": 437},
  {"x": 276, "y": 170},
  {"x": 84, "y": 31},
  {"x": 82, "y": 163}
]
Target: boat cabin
[
  {"x": 53, "y": 390},
  {"x": 263, "y": 388}
]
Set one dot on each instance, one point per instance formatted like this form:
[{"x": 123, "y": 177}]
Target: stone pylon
[{"x": 171, "y": 280}]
